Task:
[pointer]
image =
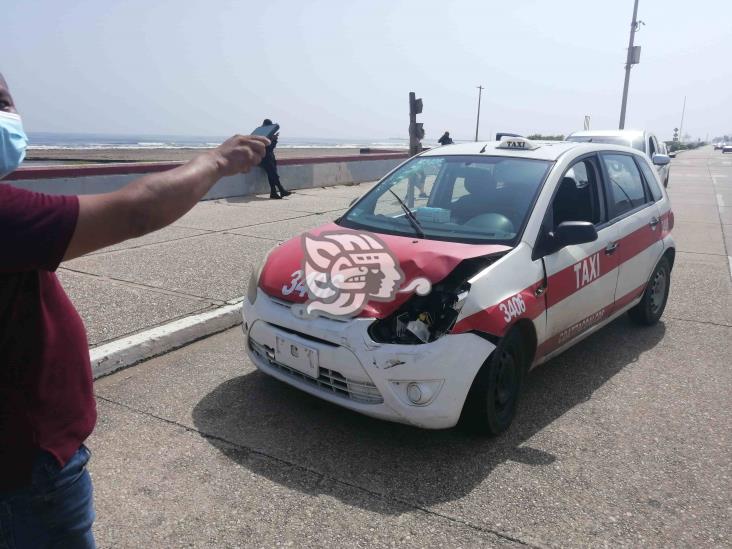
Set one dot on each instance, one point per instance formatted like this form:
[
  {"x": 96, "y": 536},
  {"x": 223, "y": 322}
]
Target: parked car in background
[
  {"x": 718, "y": 145},
  {"x": 638, "y": 139},
  {"x": 727, "y": 148}
]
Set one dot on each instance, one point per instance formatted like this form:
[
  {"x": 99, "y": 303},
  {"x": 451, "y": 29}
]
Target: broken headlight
[{"x": 422, "y": 319}]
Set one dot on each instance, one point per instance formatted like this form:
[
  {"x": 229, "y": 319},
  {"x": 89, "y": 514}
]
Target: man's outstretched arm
[{"x": 156, "y": 200}]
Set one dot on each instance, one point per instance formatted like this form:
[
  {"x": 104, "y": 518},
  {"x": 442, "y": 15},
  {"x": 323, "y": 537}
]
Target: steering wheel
[{"x": 491, "y": 222}]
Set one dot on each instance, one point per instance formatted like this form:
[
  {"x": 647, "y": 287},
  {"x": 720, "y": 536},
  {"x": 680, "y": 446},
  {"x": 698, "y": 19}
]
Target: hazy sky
[{"x": 341, "y": 68}]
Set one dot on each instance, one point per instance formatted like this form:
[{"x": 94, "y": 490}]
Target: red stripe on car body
[
  {"x": 560, "y": 286},
  {"x": 566, "y": 335}
]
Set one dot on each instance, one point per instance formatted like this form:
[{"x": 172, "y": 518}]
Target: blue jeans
[{"x": 55, "y": 510}]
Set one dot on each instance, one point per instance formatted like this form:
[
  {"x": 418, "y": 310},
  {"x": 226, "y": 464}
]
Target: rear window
[{"x": 636, "y": 143}]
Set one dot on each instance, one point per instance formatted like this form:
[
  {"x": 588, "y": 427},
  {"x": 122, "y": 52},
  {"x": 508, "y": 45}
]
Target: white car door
[
  {"x": 581, "y": 279},
  {"x": 635, "y": 214}
]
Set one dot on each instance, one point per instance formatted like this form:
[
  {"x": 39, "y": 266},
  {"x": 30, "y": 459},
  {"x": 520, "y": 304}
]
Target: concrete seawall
[{"x": 295, "y": 173}]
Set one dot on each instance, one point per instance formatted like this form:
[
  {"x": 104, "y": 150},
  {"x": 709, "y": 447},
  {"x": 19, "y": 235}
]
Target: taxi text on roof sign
[{"x": 520, "y": 143}]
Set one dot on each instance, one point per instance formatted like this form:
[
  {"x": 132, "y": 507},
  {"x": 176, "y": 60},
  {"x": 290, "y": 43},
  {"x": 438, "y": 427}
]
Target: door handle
[
  {"x": 653, "y": 222},
  {"x": 610, "y": 248}
]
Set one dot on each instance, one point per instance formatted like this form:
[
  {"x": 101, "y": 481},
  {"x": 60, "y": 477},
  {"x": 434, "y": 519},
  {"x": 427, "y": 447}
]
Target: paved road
[{"x": 623, "y": 440}]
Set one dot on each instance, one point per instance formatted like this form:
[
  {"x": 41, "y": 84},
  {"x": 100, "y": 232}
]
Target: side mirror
[
  {"x": 568, "y": 233},
  {"x": 574, "y": 232},
  {"x": 661, "y": 159}
]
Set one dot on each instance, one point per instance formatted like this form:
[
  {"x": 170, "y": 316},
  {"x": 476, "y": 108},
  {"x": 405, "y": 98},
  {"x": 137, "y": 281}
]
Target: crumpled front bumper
[{"x": 362, "y": 375}]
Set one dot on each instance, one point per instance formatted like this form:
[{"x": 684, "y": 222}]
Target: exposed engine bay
[{"x": 423, "y": 319}]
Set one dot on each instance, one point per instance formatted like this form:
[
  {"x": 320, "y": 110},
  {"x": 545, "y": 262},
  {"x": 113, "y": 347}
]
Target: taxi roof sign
[{"x": 517, "y": 143}]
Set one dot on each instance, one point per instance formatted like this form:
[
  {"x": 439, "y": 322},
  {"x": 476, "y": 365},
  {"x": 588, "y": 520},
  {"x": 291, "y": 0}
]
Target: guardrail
[{"x": 295, "y": 173}]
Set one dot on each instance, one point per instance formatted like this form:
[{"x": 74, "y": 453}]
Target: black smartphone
[{"x": 267, "y": 131}]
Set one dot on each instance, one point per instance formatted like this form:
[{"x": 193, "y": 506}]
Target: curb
[{"x": 128, "y": 351}]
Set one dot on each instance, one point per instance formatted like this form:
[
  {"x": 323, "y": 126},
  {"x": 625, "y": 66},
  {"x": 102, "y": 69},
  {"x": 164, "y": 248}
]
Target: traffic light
[
  {"x": 416, "y": 129},
  {"x": 415, "y": 105}
]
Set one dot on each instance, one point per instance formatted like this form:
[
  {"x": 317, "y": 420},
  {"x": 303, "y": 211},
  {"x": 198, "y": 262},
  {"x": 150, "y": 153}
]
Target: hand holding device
[
  {"x": 267, "y": 131},
  {"x": 240, "y": 153}
]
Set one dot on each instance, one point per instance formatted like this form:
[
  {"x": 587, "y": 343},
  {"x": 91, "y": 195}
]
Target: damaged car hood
[{"x": 282, "y": 275}]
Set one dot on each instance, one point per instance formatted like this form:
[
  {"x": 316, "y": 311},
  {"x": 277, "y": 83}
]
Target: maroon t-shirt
[{"x": 46, "y": 393}]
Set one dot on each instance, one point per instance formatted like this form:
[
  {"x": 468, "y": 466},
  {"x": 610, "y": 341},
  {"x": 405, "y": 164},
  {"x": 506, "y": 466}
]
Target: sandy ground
[{"x": 159, "y": 155}]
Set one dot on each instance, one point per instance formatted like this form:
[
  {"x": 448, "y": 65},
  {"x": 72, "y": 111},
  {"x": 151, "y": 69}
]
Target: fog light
[
  {"x": 417, "y": 393},
  {"x": 414, "y": 393}
]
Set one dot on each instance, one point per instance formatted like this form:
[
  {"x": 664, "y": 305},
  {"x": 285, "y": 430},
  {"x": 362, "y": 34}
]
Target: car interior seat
[
  {"x": 572, "y": 203},
  {"x": 516, "y": 184},
  {"x": 481, "y": 187}
]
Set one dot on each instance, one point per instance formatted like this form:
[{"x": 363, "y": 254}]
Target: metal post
[
  {"x": 681, "y": 126},
  {"x": 477, "y": 121},
  {"x": 628, "y": 65},
  {"x": 413, "y": 143}
]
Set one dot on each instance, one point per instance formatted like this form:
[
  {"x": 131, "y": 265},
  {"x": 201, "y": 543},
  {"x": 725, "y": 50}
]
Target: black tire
[
  {"x": 654, "y": 299},
  {"x": 491, "y": 403}
]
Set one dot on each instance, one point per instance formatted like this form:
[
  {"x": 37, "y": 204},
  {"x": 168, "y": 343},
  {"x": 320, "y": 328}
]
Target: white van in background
[{"x": 638, "y": 139}]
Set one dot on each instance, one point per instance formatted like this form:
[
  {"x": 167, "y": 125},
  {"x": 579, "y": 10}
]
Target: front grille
[
  {"x": 328, "y": 380},
  {"x": 289, "y": 304}
]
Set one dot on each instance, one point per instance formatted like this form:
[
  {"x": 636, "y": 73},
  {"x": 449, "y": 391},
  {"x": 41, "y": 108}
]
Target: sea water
[{"x": 54, "y": 141}]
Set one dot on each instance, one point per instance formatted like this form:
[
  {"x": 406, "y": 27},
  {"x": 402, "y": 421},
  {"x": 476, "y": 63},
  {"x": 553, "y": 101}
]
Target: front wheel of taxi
[
  {"x": 491, "y": 403},
  {"x": 654, "y": 299}
]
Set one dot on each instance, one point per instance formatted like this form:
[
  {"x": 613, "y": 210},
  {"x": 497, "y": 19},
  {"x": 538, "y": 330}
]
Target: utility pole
[
  {"x": 587, "y": 122},
  {"x": 632, "y": 58},
  {"x": 681, "y": 126},
  {"x": 477, "y": 121}
]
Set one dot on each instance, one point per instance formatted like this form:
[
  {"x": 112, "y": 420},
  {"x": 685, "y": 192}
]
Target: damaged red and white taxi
[{"x": 431, "y": 298}]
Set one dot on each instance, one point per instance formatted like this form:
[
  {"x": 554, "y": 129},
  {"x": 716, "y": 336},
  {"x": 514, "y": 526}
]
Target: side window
[
  {"x": 649, "y": 174},
  {"x": 624, "y": 182},
  {"x": 578, "y": 196}
]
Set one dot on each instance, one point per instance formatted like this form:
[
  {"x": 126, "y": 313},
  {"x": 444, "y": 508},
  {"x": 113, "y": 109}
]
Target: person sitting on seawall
[
  {"x": 269, "y": 165},
  {"x": 445, "y": 139},
  {"x": 47, "y": 406}
]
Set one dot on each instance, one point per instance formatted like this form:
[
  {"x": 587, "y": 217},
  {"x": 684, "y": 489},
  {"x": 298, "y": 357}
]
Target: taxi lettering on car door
[{"x": 581, "y": 278}]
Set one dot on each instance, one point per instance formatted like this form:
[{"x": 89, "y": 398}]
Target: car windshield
[
  {"x": 458, "y": 198},
  {"x": 635, "y": 142}
]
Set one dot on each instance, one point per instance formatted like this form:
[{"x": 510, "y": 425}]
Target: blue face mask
[{"x": 13, "y": 142}]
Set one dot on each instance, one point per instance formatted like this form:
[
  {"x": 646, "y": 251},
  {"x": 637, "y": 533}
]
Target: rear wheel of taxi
[
  {"x": 491, "y": 403},
  {"x": 654, "y": 299}
]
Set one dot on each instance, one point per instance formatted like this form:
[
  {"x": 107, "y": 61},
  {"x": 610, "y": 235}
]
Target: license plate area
[{"x": 297, "y": 356}]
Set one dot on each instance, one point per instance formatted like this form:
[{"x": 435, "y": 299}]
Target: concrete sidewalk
[
  {"x": 621, "y": 441},
  {"x": 196, "y": 265}
]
